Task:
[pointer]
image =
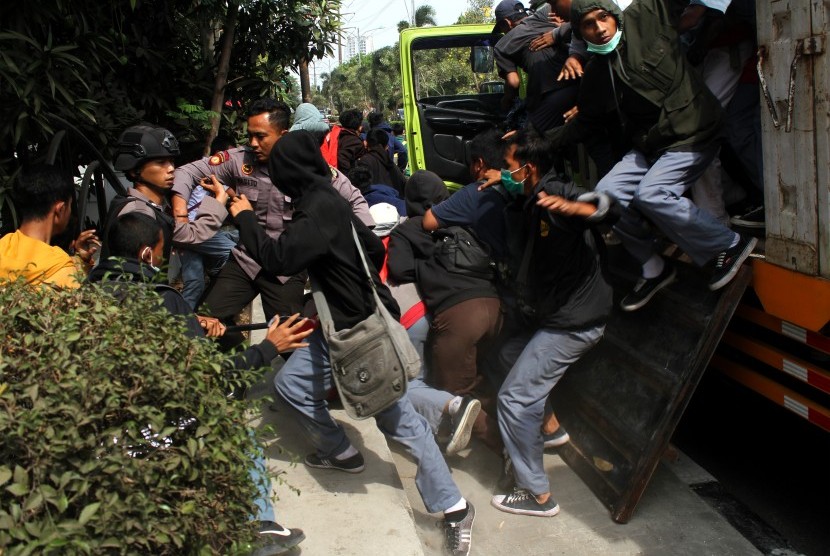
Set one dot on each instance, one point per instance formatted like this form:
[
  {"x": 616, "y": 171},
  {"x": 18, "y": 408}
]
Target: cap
[
  {"x": 385, "y": 216},
  {"x": 505, "y": 9}
]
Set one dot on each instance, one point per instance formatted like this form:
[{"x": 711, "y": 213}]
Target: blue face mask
[
  {"x": 608, "y": 47},
  {"x": 512, "y": 186}
]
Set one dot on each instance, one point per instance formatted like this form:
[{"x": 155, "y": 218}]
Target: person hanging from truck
[{"x": 674, "y": 122}]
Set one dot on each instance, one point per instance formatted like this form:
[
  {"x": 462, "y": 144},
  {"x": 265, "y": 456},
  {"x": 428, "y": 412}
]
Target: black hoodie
[
  {"x": 319, "y": 235},
  {"x": 412, "y": 252}
]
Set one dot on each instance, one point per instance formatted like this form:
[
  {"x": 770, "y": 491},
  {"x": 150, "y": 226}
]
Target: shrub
[{"x": 116, "y": 434}]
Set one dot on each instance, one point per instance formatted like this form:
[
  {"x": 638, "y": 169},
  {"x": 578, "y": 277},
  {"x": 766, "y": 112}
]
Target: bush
[{"x": 116, "y": 434}]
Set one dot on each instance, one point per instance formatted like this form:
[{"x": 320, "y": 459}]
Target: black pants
[{"x": 232, "y": 290}]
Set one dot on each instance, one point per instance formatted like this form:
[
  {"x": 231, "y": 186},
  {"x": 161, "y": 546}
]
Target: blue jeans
[
  {"x": 212, "y": 254},
  {"x": 655, "y": 191},
  {"x": 541, "y": 363},
  {"x": 304, "y": 383}
]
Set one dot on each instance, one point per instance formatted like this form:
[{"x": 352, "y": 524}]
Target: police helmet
[{"x": 141, "y": 143}]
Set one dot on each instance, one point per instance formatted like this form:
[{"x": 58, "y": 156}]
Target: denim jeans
[{"x": 212, "y": 254}]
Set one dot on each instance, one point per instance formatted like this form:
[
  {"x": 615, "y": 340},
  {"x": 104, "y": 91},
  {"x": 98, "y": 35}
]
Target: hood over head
[
  {"x": 423, "y": 190},
  {"x": 581, "y": 7},
  {"x": 296, "y": 165},
  {"x": 308, "y": 117}
]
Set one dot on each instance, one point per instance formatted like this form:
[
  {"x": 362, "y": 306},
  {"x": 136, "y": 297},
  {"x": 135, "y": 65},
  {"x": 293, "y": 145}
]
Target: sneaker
[
  {"x": 276, "y": 539},
  {"x": 463, "y": 425},
  {"x": 353, "y": 464},
  {"x": 557, "y": 438},
  {"x": 645, "y": 288},
  {"x": 458, "y": 535},
  {"x": 728, "y": 262},
  {"x": 753, "y": 218},
  {"x": 522, "y": 502}
]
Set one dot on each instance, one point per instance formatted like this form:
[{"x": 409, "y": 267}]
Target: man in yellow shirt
[{"x": 43, "y": 202}]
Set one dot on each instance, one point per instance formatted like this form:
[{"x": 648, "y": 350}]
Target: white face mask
[{"x": 147, "y": 258}]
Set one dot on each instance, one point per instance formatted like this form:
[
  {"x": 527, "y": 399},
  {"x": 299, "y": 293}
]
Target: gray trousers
[
  {"x": 521, "y": 403},
  {"x": 656, "y": 192},
  {"x": 304, "y": 383}
]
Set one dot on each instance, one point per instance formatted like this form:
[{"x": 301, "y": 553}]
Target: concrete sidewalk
[{"x": 379, "y": 511}]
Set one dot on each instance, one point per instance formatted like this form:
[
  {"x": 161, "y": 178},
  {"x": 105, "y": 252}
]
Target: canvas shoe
[
  {"x": 522, "y": 502},
  {"x": 463, "y": 424},
  {"x": 729, "y": 262},
  {"x": 645, "y": 288},
  {"x": 753, "y": 218},
  {"x": 458, "y": 535},
  {"x": 557, "y": 438},
  {"x": 353, "y": 464},
  {"x": 276, "y": 539}
]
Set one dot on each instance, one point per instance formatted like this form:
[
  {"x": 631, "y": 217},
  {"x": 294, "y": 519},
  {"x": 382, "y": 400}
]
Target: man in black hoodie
[
  {"x": 377, "y": 160},
  {"x": 319, "y": 238},
  {"x": 465, "y": 309}
]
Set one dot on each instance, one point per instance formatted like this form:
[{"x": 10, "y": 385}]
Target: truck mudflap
[{"x": 622, "y": 401}]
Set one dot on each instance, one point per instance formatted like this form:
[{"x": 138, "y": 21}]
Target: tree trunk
[
  {"x": 222, "y": 72},
  {"x": 305, "y": 84}
]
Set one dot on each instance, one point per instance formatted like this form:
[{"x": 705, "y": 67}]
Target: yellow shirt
[{"x": 36, "y": 261}]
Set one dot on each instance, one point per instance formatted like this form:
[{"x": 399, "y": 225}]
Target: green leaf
[
  {"x": 5, "y": 474},
  {"x": 88, "y": 512}
]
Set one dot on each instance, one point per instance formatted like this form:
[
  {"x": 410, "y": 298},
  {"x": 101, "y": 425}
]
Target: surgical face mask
[
  {"x": 149, "y": 261},
  {"x": 512, "y": 186},
  {"x": 608, "y": 47}
]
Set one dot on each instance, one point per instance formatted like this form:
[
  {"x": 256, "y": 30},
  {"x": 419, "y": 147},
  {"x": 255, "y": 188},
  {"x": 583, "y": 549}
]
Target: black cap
[{"x": 507, "y": 9}]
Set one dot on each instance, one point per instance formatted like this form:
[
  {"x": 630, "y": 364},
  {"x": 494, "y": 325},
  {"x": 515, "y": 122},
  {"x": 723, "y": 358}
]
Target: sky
[{"x": 379, "y": 18}]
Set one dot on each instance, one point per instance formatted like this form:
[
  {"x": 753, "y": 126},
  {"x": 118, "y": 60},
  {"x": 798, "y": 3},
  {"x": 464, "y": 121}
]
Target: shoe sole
[
  {"x": 633, "y": 307},
  {"x": 333, "y": 468},
  {"x": 275, "y": 550},
  {"x": 735, "y": 266},
  {"x": 747, "y": 224},
  {"x": 461, "y": 436},
  {"x": 558, "y": 441},
  {"x": 496, "y": 503}
]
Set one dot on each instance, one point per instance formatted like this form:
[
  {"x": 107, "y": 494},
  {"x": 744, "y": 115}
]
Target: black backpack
[{"x": 459, "y": 250}]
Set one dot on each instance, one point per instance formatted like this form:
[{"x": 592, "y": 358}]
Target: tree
[
  {"x": 105, "y": 65},
  {"x": 424, "y": 15},
  {"x": 478, "y": 11}
]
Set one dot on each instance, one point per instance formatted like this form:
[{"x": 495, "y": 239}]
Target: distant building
[{"x": 362, "y": 44}]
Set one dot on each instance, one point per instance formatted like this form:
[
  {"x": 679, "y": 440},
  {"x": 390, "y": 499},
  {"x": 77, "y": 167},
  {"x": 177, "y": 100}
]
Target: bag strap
[{"x": 323, "y": 310}]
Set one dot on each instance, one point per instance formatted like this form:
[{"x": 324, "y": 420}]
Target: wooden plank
[
  {"x": 821, "y": 79},
  {"x": 789, "y": 156},
  {"x": 622, "y": 400}
]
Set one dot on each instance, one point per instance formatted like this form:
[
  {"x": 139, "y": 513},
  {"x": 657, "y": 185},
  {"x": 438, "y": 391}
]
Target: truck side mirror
[{"x": 481, "y": 59}]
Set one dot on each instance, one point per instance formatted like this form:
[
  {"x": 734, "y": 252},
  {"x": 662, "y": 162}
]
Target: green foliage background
[{"x": 81, "y": 375}]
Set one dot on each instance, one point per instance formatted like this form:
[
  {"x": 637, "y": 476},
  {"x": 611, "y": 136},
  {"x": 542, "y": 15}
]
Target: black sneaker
[
  {"x": 728, "y": 262},
  {"x": 276, "y": 539},
  {"x": 458, "y": 534},
  {"x": 353, "y": 464},
  {"x": 557, "y": 438},
  {"x": 522, "y": 502},
  {"x": 645, "y": 288},
  {"x": 753, "y": 218},
  {"x": 463, "y": 424}
]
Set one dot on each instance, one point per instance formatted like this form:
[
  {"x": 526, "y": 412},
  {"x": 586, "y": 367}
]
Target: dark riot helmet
[{"x": 141, "y": 143}]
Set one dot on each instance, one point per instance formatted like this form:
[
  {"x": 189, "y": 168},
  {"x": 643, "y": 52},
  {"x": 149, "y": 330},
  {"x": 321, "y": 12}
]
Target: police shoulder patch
[{"x": 219, "y": 158}]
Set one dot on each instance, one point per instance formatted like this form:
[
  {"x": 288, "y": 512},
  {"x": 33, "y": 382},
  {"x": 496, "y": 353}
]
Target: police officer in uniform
[
  {"x": 245, "y": 169},
  {"x": 146, "y": 155}
]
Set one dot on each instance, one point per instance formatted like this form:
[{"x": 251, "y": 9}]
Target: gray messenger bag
[{"x": 372, "y": 361}]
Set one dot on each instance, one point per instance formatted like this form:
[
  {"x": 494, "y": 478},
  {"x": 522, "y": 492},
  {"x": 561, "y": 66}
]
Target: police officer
[
  {"x": 245, "y": 169},
  {"x": 145, "y": 154}
]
